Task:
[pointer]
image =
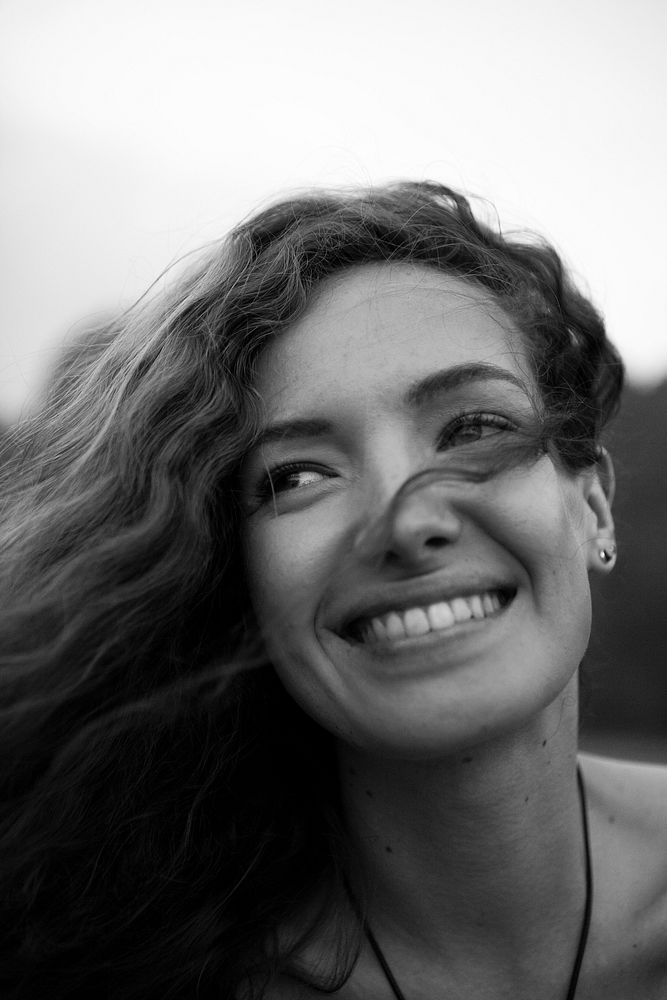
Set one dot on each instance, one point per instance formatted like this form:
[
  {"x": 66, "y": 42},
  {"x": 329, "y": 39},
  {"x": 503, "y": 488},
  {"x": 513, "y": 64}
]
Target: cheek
[
  {"x": 542, "y": 516},
  {"x": 552, "y": 547},
  {"x": 287, "y": 568}
]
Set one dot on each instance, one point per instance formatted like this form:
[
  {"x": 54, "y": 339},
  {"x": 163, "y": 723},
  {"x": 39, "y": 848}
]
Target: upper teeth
[{"x": 433, "y": 618}]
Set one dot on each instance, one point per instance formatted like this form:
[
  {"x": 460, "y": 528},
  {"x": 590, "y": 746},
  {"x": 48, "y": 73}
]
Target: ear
[{"x": 600, "y": 485}]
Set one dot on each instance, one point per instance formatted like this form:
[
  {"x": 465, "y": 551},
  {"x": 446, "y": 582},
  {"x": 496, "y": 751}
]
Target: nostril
[
  {"x": 417, "y": 523},
  {"x": 418, "y": 548},
  {"x": 436, "y": 543}
]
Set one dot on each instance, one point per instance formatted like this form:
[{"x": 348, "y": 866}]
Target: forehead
[{"x": 378, "y": 326}]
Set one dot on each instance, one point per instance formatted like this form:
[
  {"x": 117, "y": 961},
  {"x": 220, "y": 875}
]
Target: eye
[
  {"x": 294, "y": 477},
  {"x": 290, "y": 478},
  {"x": 472, "y": 427}
]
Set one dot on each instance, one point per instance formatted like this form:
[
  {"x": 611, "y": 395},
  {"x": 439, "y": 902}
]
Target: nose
[{"x": 415, "y": 530}]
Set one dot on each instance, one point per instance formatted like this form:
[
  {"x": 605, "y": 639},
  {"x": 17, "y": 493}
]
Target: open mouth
[{"x": 413, "y": 622}]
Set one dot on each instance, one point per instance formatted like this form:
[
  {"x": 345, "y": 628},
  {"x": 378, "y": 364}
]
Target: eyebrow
[
  {"x": 455, "y": 377},
  {"x": 417, "y": 395},
  {"x": 287, "y": 430}
]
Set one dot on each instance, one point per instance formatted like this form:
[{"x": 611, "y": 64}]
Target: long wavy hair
[{"x": 167, "y": 811}]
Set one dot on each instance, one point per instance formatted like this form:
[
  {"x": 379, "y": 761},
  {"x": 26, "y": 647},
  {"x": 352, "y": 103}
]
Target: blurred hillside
[{"x": 625, "y": 686}]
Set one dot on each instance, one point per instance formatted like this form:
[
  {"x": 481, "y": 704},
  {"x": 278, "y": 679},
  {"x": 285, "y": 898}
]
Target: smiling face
[{"x": 417, "y": 624}]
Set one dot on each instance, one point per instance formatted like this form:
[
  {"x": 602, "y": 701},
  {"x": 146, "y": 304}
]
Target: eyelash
[
  {"x": 476, "y": 420},
  {"x": 269, "y": 486}
]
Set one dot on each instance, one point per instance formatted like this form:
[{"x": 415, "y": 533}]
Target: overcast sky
[{"x": 134, "y": 131}]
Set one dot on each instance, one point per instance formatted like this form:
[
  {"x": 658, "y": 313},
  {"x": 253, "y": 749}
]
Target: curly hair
[{"x": 167, "y": 810}]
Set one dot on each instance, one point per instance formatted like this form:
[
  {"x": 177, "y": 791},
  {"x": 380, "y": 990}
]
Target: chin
[{"x": 426, "y": 714}]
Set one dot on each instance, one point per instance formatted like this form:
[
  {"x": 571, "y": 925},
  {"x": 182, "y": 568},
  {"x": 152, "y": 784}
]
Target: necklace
[{"x": 585, "y": 923}]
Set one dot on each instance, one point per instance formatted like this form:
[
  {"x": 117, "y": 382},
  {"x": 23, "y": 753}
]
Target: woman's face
[{"x": 470, "y": 611}]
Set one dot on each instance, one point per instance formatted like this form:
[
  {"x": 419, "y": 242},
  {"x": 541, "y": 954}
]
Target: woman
[{"x": 296, "y": 581}]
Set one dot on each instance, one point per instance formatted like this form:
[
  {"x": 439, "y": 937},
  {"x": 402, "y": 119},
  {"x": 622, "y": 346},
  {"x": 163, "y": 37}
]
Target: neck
[{"x": 483, "y": 849}]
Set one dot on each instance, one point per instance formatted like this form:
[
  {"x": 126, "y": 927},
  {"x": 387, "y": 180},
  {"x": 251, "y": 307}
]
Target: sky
[{"x": 134, "y": 131}]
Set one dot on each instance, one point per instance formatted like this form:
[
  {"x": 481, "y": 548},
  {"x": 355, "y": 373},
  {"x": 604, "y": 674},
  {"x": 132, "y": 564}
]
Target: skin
[{"x": 457, "y": 749}]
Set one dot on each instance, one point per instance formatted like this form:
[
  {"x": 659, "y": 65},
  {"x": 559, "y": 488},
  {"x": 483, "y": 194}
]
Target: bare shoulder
[
  {"x": 627, "y": 804},
  {"x": 633, "y": 794}
]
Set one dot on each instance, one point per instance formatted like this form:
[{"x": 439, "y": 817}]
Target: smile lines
[{"x": 414, "y": 622}]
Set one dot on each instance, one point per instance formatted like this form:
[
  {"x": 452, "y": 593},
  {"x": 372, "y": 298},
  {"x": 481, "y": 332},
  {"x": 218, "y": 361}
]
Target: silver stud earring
[{"x": 607, "y": 553}]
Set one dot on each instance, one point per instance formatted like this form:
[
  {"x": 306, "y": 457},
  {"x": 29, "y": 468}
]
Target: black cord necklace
[{"x": 585, "y": 923}]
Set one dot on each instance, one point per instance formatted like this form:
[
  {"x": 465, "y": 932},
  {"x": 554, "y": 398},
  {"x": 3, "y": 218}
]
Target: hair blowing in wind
[{"x": 166, "y": 807}]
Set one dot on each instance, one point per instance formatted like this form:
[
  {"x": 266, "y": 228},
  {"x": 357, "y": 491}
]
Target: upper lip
[{"x": 400, "y": 597}]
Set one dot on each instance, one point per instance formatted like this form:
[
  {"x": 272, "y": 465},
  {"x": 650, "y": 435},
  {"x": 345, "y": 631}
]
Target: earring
[{"x": 607, "y": 553}]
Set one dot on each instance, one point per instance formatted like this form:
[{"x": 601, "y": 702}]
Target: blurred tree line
[{"x": 625, "y": 677}]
